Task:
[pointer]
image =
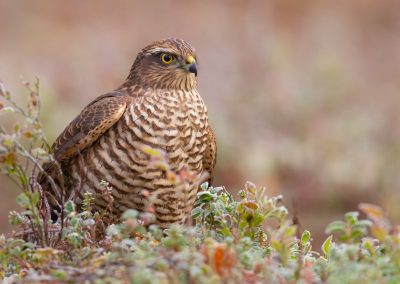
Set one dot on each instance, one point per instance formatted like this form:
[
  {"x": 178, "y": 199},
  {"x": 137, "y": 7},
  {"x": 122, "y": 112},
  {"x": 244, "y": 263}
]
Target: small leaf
[
  {"x": 59, "y": 274},
  {"x": 351, "y": 217},
  {"x": 257, "y": 219},
  {"x": 222, "y": 259},
  {"x": 356, "y": 234},
  {"x": 218, "y": 189},
  {"x": 196, "y": 212},
  {"x": 379, "y": 233},
  {"x": 361, "y": 225},
  {"x": 372, "y": 211},
  {"x": 23, "y": 200},
  {"x": 28, "y": 134},
  {"x": 225, "y": 232},
  {"x": 74, "y": 222},
  {"x": 9, "y": 109},
  {"x": 15, "y": 218},
  {"x": 39, "y": 152},
  {"x": 365, "y": 223},
  {"x": 113, "y": 230},
  {"x": 305, "y": 237},
  {"x": 8, "y": 141},
  {"x": 242, "y": 224},
  {"x": 35, "y": 198},
  {"x": 251, "y": 204},
  {"x": 9, "y": 159},
  {"x": 130, "y": 214},
  {"x": 326, "y": 246},
  {"x": 88, "y": 223},
  {"x": 280, "y": 212},
  {"x": 250, "y": 187},
  {"x": 276, "y": 245},
  {"x": 204, "y": 196},
  {"x": 74, "y": 239},
  {"x": 290, "y": 231},
  {"x": 204, "y": 186},
  {"x": 370, "y": 244},
  {"x": 69, "y": 207},
  {"x": 335, "y": 227},
  {"x": 17, "y": 127}
]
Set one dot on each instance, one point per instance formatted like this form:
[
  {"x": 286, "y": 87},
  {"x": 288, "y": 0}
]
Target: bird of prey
[{"x": 158, "y": 109}]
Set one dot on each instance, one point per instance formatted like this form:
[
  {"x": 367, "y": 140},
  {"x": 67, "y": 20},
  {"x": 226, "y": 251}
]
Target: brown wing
[
  {"x": 86, "y": 128},
  {"x": 93, "y": 121},
  {"x": 210, "y": 155},
  {"x": 89, "y": 125}
]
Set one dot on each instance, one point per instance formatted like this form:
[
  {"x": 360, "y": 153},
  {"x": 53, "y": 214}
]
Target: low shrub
[{"x": 250, "y": 239}]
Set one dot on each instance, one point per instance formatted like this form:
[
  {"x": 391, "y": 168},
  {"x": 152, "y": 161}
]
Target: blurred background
[{"x": 303, "y": 95}]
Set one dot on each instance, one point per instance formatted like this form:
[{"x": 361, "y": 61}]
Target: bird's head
[{"x": 165, "y": 64}]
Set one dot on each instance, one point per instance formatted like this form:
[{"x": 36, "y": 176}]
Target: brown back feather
[{"x": 93, "y": 121}]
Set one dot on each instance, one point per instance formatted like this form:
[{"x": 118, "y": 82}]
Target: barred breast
[{"x": 174, "y": 124}]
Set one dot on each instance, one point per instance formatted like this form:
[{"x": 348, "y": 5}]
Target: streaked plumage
[{"x": 157, "y": 107}]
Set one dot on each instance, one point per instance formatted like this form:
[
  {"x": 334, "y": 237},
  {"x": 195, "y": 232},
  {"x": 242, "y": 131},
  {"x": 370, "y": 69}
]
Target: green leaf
[
  {"x": 204, "y": 186},
  {"x": 204, "y": 196},
  {"x": 217, "y": 189},
  {"x": 251, "y": 205},
  {"x": 250, "y": 187},
  {"x": 335, "y": 227},
  {"x": 39, "y": 152},
  {"x": 242, "y": 224},
  {"x": 74, "y": 239},
  {"x": 9, "y": 109},
  {"x": 225, "y": 232},
  {"x": 365, "y": 223},
  {"x": 257, "y": 219},
  {"x": 15, "y": 218},
  {"x": 59, "y": 274},
  {"x": 17, "y": 127},
  {"x": 351, "y": 217},
  {"x": 356, "y": 234},
  {"x": 113, "y": 230},
  {"x": 326, "y": 246},
  {"x": 130, "y": 214},
  {"x": 74, "y": 222},
  {"x": 88, "y": 223},
  {"x": 35, "y": 198},
  {"x": 23, "y": 179},
  {"x": 196, "y": 212},
  {"x": 23, "y": 200},
  {"x": 276, "y": 245},
  {"x": 69, "y": 207},
  {"x": 305, "y": 237},
  {"x": 242, "y": 194},
  {"x": 290, "y": 231}
]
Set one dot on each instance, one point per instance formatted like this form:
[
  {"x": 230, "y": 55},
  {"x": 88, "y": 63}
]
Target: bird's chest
[{"x": 174, "y": 124}]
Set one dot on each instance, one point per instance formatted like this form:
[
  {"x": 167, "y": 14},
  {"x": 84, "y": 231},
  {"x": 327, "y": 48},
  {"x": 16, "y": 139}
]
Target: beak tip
[{"x": 193, "y": 69}]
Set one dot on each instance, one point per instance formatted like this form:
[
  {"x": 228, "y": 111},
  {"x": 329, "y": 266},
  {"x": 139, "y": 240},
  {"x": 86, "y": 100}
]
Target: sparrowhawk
[{"x": 158, "y": 107}]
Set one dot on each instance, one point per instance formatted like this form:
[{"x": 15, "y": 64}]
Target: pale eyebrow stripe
[{"x": 158, "y": 49}]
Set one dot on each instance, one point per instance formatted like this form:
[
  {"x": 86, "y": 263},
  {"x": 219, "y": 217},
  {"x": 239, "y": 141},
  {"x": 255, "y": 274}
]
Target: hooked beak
[{"x": 191, "y": 65}]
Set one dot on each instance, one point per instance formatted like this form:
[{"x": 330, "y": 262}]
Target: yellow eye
[{"x": 167, "y": 58}]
